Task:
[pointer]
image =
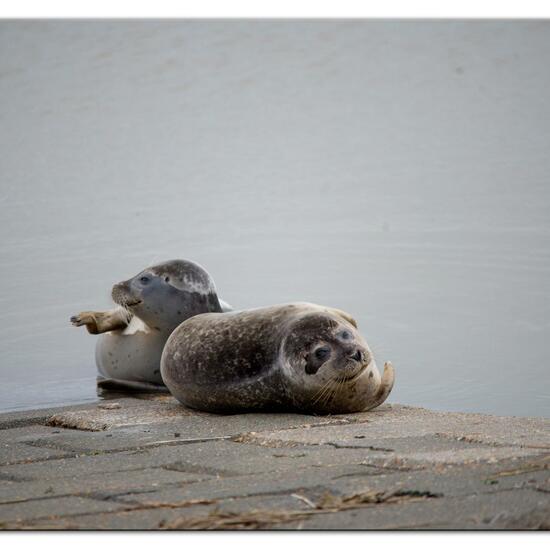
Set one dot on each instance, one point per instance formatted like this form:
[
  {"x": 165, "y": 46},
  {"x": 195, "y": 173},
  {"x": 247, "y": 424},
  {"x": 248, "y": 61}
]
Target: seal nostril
[{"x": 358, "y": 355}]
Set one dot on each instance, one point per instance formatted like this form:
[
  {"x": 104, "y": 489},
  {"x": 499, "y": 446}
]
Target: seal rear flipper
[
  {"x": 130, "y": 385},
  {"x": 386, "y": 385}
]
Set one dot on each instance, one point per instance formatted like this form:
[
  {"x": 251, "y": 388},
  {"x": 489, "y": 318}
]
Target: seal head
[
  {"x": 326, "y": 361},
  {"x": 165, "y": 295}
]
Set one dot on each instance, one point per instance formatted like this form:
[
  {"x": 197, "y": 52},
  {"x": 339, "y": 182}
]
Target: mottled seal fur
[
  {"x": 294, "y": 357},
  {"x": 151, "y": 305}
]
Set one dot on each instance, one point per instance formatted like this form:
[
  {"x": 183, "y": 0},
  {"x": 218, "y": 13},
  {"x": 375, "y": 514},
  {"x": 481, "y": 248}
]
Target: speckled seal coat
[
  {"x": 152, "y": 304},
  {"x": 294, "y": 357}
]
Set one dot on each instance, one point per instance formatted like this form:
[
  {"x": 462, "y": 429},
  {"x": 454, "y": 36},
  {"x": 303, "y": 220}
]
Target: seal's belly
[{"x": 130, "y": 356}]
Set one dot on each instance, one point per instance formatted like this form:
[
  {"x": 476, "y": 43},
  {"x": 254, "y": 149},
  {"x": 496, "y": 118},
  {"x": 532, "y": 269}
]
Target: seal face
[
  {"x": 296, "y": 357},
  {"x": 165, "y": 295},
  {"x": 151, "y": 305}
]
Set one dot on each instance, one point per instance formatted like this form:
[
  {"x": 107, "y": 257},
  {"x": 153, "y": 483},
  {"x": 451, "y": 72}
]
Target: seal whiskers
[
  {"x": 327, "y": 397},
  {"x": 324, "y": 390}
]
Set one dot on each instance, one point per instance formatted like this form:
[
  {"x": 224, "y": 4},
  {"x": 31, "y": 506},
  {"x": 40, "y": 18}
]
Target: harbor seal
[
  {"x": 150, "y": 306},
  {"x": 296, "y": 357}
]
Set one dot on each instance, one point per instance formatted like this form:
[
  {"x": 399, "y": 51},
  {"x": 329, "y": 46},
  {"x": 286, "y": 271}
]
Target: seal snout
[
  {"x": 122, "y": 295},
  {"x": 356, "y": 360},
  {"x": 359, "y": 355}
]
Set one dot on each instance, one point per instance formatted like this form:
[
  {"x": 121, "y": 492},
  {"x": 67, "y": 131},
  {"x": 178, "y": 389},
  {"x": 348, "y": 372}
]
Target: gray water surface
[{"x": 397, "y": 170}]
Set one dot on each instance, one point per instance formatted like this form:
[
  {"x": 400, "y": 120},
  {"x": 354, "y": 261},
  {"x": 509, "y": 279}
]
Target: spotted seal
[
  {"x": 151, "y": 305},
  {"x": 295, "y": 357}
]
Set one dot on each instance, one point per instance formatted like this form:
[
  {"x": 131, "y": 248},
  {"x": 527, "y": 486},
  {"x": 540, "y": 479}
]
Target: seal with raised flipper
[
  {"x": 150, "y": 306},
  {"x": 294, "y": 357}
]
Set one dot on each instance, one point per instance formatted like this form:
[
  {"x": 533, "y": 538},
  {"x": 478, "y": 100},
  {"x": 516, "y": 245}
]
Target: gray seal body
[
  {"x": 294, "y": 357},
  {"x": 151, "y": 305}
]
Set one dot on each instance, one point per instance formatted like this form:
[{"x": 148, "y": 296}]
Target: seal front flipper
[
  {"x": 386, "y": 385},
  {"x": 129, "y": 385},
  {"x": 98, "y": 322}
]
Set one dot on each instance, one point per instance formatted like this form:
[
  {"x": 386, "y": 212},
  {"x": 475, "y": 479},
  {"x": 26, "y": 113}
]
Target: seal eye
[
  {"x": 317, "y": 359},
  {"x": 144, "y": 280},
  {"x": 345, "y": 335},
  {"x": 166, "y": 279},
  {"x": 322, "y": 353}
]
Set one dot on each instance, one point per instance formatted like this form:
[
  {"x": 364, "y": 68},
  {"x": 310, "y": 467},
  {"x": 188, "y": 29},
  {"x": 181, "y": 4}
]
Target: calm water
[{"x": 397, "y": 170}]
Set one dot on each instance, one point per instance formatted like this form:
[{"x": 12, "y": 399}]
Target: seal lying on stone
[
  {"x": 294, "y": 357},
  {"x": 151, "y": 305}
]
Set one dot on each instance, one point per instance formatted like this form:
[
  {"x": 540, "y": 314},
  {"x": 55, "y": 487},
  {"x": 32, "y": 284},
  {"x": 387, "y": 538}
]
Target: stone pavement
[{"x": 146, "y": 462}]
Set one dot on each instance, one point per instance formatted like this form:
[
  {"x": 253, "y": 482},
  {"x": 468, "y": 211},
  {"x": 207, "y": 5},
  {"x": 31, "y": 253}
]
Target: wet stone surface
[{"x": 149, "y": 463}]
